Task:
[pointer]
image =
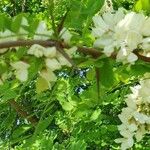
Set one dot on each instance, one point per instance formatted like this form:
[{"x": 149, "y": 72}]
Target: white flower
[
  {"x": 115, "y": 31},
  {"x": 146, "y": 44},
  {"x": 49, "y": 52},
  {"x": 22, "y": 75},
  {"x": 7, "y": 36},
  {"x": 21, "y": 70},
  {"x": 131, "y": 103},
  {"x": 63, "y": 61},
  {"x": 146, "y": 27},
  {"x": 101, "y": 26},
  {"x": 132, "y": 21},
  {"x": 126, "y": 133},
  {"x": 126, "y": 115},
  {"x": 48, "y": 75},
  {"x": 112, "y": 19},
  {"x": 132, "y": 127},
  {"x": 132, "y": 39},
  {"x": 36, "y": 50},
  {"x": 24, "y": 22},
  {"x": 108, "y": 50},
  {"x": 124, "y": 55},
  {"x": 126, "y": 143},
  {"x": 140, "y": 133},
  {"x": 103, "y": 41},
  {"x": 135, "y": 117},
  {"x": 52, "y": 64},
  {"x": 132, "y": 58},
  {"x": 65, "y": 35},
  {"x": 42, "y": 32}
]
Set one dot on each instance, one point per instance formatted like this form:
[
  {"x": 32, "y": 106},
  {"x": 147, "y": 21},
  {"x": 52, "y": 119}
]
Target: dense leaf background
[{"x": 72, "y": 115}]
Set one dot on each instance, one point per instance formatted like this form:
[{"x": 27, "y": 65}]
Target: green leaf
[
  {"x": 106, "y": 73},
  {"x": 81, "y": 12},
  {"x": 139, "y": 69},
  {"x": 4, "y": 88},
  {"x": 3, "y": 67},
  {"x": 77, "y": 145},
  {"x": 35, "y": 65},
  {"x": 16, "y": 23},
  {"x": 8, "y": 121},
  {"x": 42, "y": 125},
  {"x": 9, "y": 94},
  {"x": 20, "y": 130},
  {"x": 5, "y": 22},
  {"x": 67, "y": 105},
  {"x": 142, "y": 5},
  {"x": 41, "y": 85},
  {"x": 95, "y": 114}
]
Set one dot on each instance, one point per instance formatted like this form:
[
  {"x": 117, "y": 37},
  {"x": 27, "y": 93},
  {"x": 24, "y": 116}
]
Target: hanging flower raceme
[
  {"x": 53, "y": 59},
  {"x": 135, "y": 117},
  {"x": 122, "y": 32}
]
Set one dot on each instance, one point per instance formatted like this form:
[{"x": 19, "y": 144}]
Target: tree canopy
[{"x": 74, "y": 75}]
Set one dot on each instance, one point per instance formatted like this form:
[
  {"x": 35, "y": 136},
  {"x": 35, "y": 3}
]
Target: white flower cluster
[
  {"x": 53, "y": 59},
  {"x": 122, "y": 33},
  {"x": 135, "y": 117}
]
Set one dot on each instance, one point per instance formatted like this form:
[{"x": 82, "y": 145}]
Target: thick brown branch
[
  {"x": 88, "y": 51},
  {"x": 20, "y": 110},
  {"x": 146, "y": 59},
  {"x": 27, "y": 43}
]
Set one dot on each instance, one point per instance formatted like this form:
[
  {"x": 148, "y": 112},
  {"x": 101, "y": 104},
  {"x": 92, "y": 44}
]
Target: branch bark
[
  {"x": 49, "y": 43},
  {"x": 20, "y": 110}
]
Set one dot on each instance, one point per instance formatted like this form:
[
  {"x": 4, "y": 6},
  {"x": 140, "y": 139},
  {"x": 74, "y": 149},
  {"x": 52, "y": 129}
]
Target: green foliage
[
  {"x": 82, "y": 12},
  {"x": 80, "y": 110},
  {"x": 142, "y": 5}
]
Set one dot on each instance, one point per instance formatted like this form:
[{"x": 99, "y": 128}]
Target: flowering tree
[{"x": 76, "y": 76}]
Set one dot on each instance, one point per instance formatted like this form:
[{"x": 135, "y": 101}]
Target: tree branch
[
  {"x": 144, "y": 58},
  {"x": 88, "y": 51},
  {"x": 20, "y": 110}
]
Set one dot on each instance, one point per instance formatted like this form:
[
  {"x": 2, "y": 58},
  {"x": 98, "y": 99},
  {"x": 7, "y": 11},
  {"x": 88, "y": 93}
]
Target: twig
[{"x": 20, "y": 110}]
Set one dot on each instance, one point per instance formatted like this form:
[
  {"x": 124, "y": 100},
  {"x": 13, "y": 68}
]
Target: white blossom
[
  {"x": 135, "y": 117},
  {"x": 52, "y": 64},
  {"x": 65, "y": 35},
  {"x": 48, "y": 75},
  {"x": 21, "y": 70},
  {"x": 36, "y": 50},
  {"x": 63, "y": 61},
  {"x": 42, "y": 33},
  {"x": 122, "y": 32},
  {"x": 7, "y": 36},
  {"x": 49, "y": 52},
  {"x": 24, "y": 22}
]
